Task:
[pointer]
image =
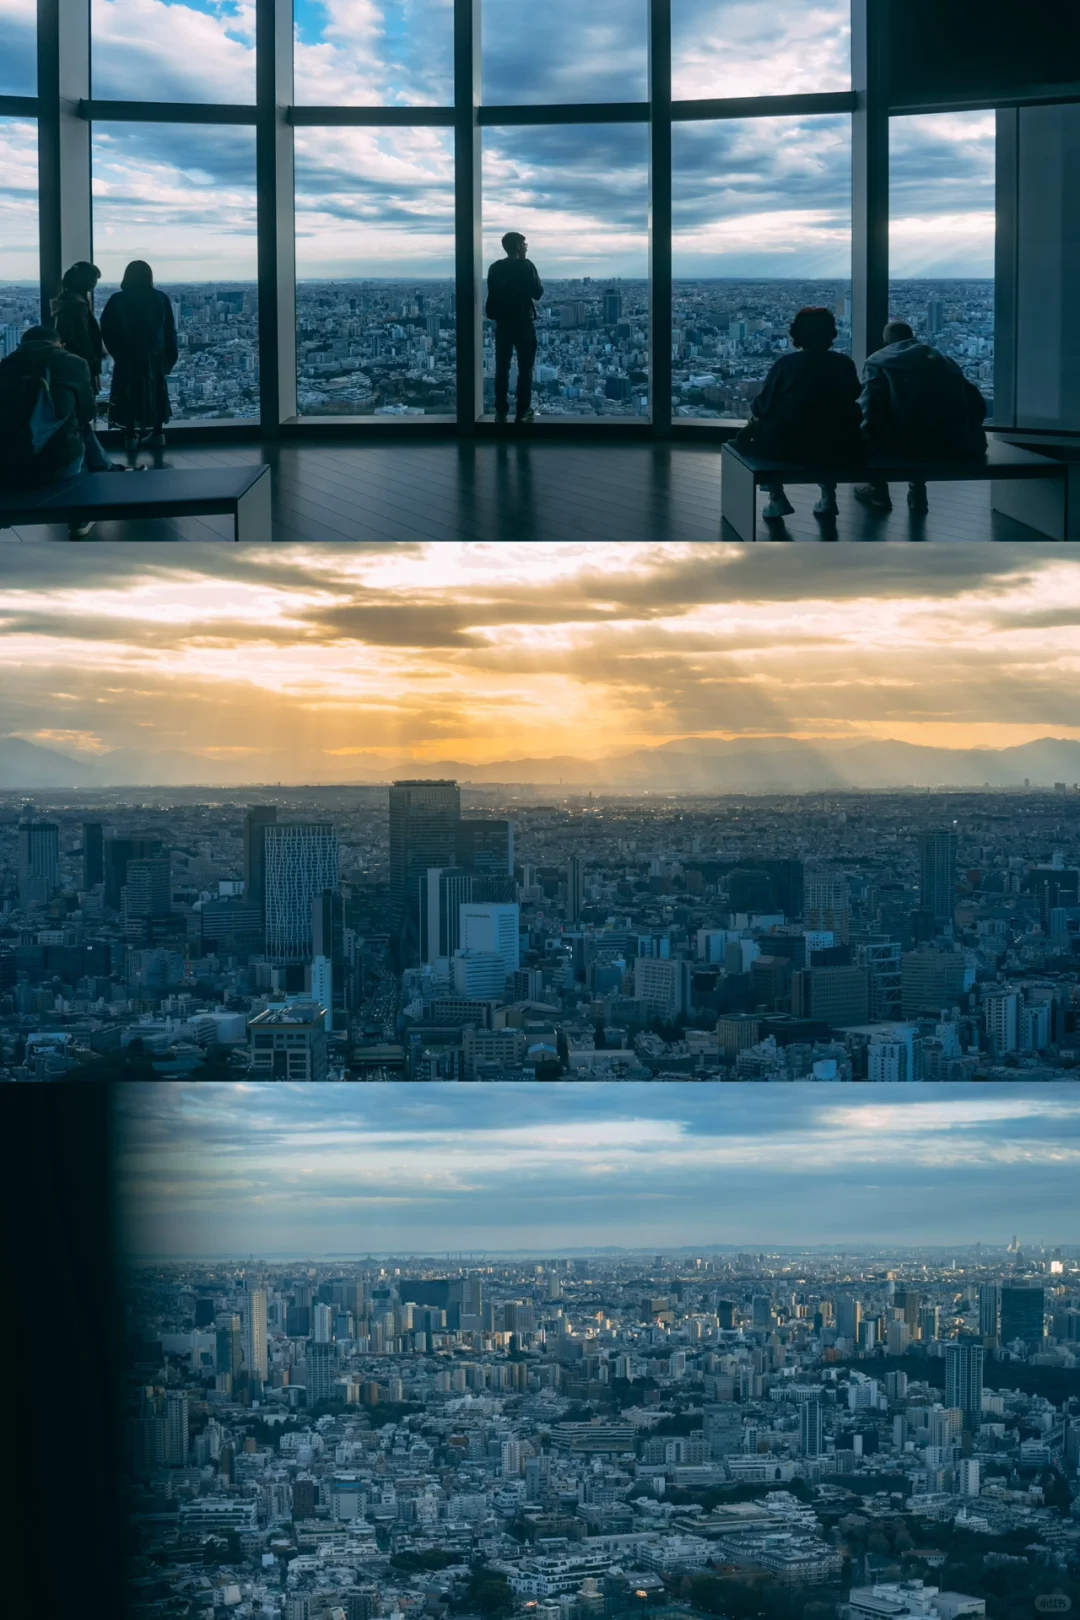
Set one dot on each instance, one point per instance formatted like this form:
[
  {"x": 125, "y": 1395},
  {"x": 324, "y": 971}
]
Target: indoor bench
[
  {"x": 1028, "y": 487},
  {"x": 242, "y": 493}
]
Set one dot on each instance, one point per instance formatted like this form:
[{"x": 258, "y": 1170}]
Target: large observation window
[
  {"x": 566, "y": 51},
  {"x": 182, "y": 197},
  {"x": 20, "y": 296},
  {"x": 375, "y": 301},
  {"x": 941, "y": 235},
  {"x": 580, "y": 194},
  {"x": 761, "y": 227},
  {"x": 383, "y": 53},
  {"x": 745, "y": 48},
  {"x": 165, "y": 50}
]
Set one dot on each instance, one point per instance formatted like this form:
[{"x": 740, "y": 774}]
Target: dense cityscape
[
  {"x": 387, "y": 348},
  {"x": 433, "y": 933},
  {"x": 857, "y": 1435}
]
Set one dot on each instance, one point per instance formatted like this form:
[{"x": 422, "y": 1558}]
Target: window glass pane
[
  {"x": 20, "y": 292},
  {"x": 392, "y": 53},
  {"x": 761, "y": 212},
  {"x": 941, "y": 235},
  {"x": 747, "y": 48},
  {"x": 566, "y": 50},
  {"x": 18, "y": 47},
  {"x": 183, "y": 197},
  {"x": 155, "y": 50},
  {"x": 375, "y": 272},
  {"x": 580, "y": 196}
]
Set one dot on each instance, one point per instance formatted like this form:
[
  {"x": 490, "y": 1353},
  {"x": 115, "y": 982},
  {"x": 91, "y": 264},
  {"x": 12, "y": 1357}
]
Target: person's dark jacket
[
  {"x": 78, "y": 330},
  {"x": 917, "y": 402},
  {"x": 72, "y": 397},
  {"x": 140, "y": 334},
  {"x": 513, "y": 284},
  {"x": 807, "y": 410}
]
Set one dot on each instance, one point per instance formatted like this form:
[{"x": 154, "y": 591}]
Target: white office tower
[
  {"x": 322, "y": 982},
  {"x": 969, "y": 1476},
  {"x": 301, "y": 860},
  {"x": 479, "y": 975},
  {"x": 322, "y": 1322},
  {"x": 494, "y": 928},
  {"x": 256, "y": 1361}
]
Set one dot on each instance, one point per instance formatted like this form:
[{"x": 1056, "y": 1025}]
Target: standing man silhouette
[{"x": 513, "y": 285}]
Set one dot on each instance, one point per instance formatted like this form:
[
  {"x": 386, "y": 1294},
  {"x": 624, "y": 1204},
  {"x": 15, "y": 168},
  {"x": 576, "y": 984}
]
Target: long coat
[
  {"x": 78, "y": 330},
  {"x": 140, "y": 334}
]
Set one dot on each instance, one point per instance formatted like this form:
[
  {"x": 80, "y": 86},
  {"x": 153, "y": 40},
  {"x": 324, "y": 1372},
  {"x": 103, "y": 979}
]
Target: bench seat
[
  {"x": 242, "y": 493},
  {"x": 1048, "y": 502}
]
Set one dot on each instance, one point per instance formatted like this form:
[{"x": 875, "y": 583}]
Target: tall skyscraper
[
  {"x": 811, "y": 1442},
  {"x": 989, "y": 1310},
  {"x": 229, "y": 1357},
  {"x": 328, "y": 948},
  {"x": 908, "y": 1300},
  {"x": 1023, "y": 1310},
  {"x": 301, "y": 861},
  {"x": 256, "y": 817},
  {"x": 964, "y": 1375},
  {"x": 575, "y": 888},
  {"x": 493, "y": 929},
  {"x": 486, "y": 848},
  {"x": 848, "y": 1317},
  {"x": 93, "y": 854},
  {"x": 321, "y": 1367},
  {"x": 147, "y": 891},
  {"x": 424, "y": 817},
  {"x": 612, "y": 305},
  {"x": 937, "y": 874},
  {"x": 256, "y": 1357},
  {"x": 38, "y": 860},
  {"x": 176, "y": 1428},
  {"x": 117, "y": 853},
  {"x": 827, "y": 903},
  {"x": 442, "y": 890}
]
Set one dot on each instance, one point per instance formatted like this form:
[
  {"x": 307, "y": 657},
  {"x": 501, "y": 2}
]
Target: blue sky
[
  {"x": 767, "y": 198},
  {"x": 265, "y": 1169}
]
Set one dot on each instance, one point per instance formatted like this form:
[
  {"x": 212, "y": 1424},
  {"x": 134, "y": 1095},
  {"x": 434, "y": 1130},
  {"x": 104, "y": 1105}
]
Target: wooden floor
[{"x": 523, "y": 491}]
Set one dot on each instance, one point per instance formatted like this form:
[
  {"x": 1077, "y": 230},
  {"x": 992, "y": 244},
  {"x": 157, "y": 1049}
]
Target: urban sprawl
[
  {"x": 374, "y": 933},
  {"x": 793, "y": 1435}
]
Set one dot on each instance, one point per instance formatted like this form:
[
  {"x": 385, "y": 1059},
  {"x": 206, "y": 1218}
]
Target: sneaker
[
  {"x": 79, "y": 531},
  {"x": 877, "y": 499},
  {"x": 529, "y": 416},
  {"x": 777, "y": 506},
  {"x": 826, "y": 506},
  {"x": 917, "y": 502}
]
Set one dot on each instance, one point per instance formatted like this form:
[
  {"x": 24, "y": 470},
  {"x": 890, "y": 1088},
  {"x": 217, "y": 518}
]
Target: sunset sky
[
  {"x": 280, "y": 1169},
  {"x": 321, "y": 664}
]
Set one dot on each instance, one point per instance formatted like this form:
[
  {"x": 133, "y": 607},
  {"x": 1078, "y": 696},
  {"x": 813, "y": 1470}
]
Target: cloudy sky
[
  {"x": 277, "y": 1169},
  {"x": 763, "y": 198},
  {"x": 328, "y": 664}
]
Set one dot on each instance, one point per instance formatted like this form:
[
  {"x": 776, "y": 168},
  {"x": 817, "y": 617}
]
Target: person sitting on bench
[
  {"x": 47, "y": 412},
  {"x": 917, "y": 403},
  {"x": 807, "y": 410}
]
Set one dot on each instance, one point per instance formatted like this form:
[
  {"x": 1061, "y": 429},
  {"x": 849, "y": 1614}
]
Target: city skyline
[
  {"x": 413, "y": 1168},
  {"x": 312, "y": 665}
]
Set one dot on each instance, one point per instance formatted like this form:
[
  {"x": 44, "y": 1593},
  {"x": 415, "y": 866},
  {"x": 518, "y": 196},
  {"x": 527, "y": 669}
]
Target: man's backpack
[{"x": 32, "y": 429}]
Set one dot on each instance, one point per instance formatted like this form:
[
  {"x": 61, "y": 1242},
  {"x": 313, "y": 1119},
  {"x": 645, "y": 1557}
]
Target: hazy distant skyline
[
  {"x": 317, "y": 664},
  {"x": 263, "y": 1169},
  {"x": 768, "y": 197}
]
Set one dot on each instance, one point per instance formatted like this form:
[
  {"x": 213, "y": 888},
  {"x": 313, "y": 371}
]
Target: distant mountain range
[{"x": 689, "y": 764}]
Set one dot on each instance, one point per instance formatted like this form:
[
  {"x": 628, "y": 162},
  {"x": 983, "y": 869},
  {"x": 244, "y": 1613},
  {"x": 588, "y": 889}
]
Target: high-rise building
[
  {"x": 256, "y": 1350},
  {"x": 323, "y": 1323},
  {"x": 301, "y": 861},
  {"x": 722, "y": 1423},
  {"x": 1001, "y": 1010},
  {"x": 424, "y": 817},
  {"x": 968, "y": 1476},
  {"x": 908, "y": 1301},
  {"x": 1023, "y": 1312},
  {"x": 811, "y": 1442},
  {"x": 989, "y": 1310},
  {"x": 833, "y": 995},
  {"x": 147, "y": 890},
  {"x": 176, "y": 1428},
  {"x": 612, "y": 305},
  {"x": 38, "y": 860},
  {"x": 443, "y": 890},
  {"x": 661, "y": 985},
  {"x": 937, "y": 874},
  {"x": 493, "y": 928},
  {"x": 935, "y": 317},
  {"x": 328, "y": 947},
  {"x": 321, "y": 1370},
  {"x": 827, "y": 903},
  {"x": 931, "y": 981},
  {"x": 848, "y": 1317},
  {"x": 575, "y": 887},
  {"x": 479, "y": 975},
  {"x": 229, "y": 1357},
  {"x": 964, "y": 1375},
  {"x": 117, "y": 853},
  {"x": 882, "y": 959},
  {"x": 486, "y": 848},
  {"x": 93, "y": 854},
  {"x": 256, "y": 817}
]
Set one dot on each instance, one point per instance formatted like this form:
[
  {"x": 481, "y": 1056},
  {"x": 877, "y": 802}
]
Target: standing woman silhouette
[{"x": 140, "y": 334}]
